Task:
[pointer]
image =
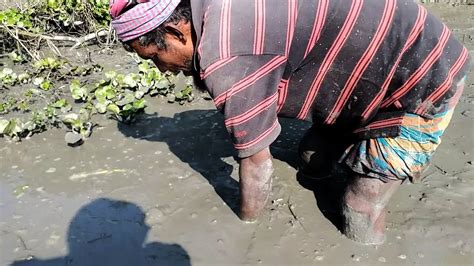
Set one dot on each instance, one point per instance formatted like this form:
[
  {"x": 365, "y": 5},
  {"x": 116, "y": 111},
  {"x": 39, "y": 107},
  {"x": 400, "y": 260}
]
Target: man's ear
[{"x": 176, "y": 31}]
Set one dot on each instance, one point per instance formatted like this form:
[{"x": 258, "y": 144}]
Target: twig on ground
[
  {"x": 53, "y": 47},
  {"x": 77, "y": 40},
  {"x": 19, "y": 42},
  {"x": 89, "y": 37},
  {"x": 290, "y": 207}
]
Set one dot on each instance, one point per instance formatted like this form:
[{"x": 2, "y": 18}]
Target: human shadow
[
  {"x": 328, "y": 193},
  {"x": 112, "y": 232},
  {"x": 198, "y": 138},
  {"x": 325, "y": 176}
]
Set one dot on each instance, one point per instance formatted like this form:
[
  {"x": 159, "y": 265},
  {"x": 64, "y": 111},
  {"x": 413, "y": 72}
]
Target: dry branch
[{"x": 78, "y": 41}]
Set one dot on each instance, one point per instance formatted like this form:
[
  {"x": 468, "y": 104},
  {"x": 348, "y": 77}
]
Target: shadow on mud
[
  {"x": 198, "y": 138},
  {"x": 111, "y": 232}
]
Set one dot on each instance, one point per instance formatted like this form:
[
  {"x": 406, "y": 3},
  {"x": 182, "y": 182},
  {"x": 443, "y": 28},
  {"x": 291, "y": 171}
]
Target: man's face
[{"x": 178, "y": 56}]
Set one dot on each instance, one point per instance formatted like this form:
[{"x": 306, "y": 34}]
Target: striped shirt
[{"x": 353, "y": 65}]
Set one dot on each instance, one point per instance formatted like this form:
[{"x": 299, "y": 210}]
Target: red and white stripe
[
  {"x": 259, "y": 34},
  {"x": 282, "y": 93},
  {"x": 292, "y": 17},
  {"x": 434, "y": 55},
  {"x": 444, "y": 87},
  {"x": 318, "y": 26},
  {"x": 349, "y": 23},
  {"x": 224, "y": 34},
  {"x": 251, "y": 113},
  {"x": 216, "y": 65},
  {"x": 414, "y": 33},
  {"x": 249, "y": 80},
  {"x": 364, "y": 61},
  {"x": 257, "y": 139},
  {"x": 381, "y": 124}
]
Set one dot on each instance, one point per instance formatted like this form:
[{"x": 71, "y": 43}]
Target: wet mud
[{"x": 164, "y": 191}]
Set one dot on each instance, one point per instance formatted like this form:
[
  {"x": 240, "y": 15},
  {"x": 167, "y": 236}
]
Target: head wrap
[{"x": 142, "y": 17}]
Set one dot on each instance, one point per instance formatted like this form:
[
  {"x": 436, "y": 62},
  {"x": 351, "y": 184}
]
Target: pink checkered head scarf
[{"x": 142, "y": 17}]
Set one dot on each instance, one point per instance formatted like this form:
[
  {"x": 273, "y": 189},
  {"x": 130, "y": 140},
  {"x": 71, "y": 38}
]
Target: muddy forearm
[
  {"x": 257, "y": 167},
  {"x": 255, "y": 184}
]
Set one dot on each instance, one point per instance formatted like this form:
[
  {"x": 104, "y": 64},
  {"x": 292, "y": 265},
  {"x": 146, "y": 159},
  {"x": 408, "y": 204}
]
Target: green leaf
[
  {"x": 113, "y": 108},
  {"x": 84, "y": 115},
  {"x": 13, "y": 128},
  {"x": 140, "y": 104},
  {"x": 146, "y": 81},
  {"x": 70, "y": 118},
  {"x": 131, "y": 80},
  {"x": 162, "y": 84},
  {"x": 100, "y": 94},
  {"x": 24, "y": 77},
  {"x": 140, "y": 93},
  {"x": 77, "y": 91},
  {"x": 52, "y": 4},
  {"x": 128, "y": 98},
  {"x": 104, "y": 93},
  {"x": 143, "y": 66},
  {"x": 6, "y": 72},
  {"x": 31, "y": 92},
  {"x": 110, "y": 92},
  {"x": 101, "y": 107},
  {"x": 45, "y": 85},
  {"x": 60, "y": 103},
  {"x": 82, "y": 71},
  {"x": 15, "y": 57},
  {"x": 8, "y": 77},
  {"x": 23, "y": 106},
  {"x": 30, "y": 126},
  {"x": 3, "y": 125}
]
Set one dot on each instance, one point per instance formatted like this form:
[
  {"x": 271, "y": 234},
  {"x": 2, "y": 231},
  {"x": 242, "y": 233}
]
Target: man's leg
[
  {"x": 380, "y": 165},
  {"x": 363, "y": 208}
]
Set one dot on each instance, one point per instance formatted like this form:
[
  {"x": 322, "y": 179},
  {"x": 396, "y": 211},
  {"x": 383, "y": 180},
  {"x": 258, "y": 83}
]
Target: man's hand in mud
[{"x": 255, "y": 184}]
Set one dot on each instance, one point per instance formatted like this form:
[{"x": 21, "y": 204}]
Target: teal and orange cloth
[{"x": 404, "y": 156}]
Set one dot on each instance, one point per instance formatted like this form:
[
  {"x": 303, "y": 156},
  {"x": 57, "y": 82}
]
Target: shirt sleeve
[{"x": 245, "y": 90}]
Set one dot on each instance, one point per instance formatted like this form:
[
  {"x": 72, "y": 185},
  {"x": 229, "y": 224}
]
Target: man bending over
[{"x": 381, "y": 77}]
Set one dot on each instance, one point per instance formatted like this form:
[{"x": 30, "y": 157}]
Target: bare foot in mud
[
  {"x": 254, "y": 192},
  {"x": 363, "y": 208}
]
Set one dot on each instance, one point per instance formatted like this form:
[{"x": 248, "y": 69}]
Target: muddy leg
[{"x": 363, "y": 208}]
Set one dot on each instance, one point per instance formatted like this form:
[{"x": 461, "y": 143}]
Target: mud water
[{"x": 164, "y": 192}]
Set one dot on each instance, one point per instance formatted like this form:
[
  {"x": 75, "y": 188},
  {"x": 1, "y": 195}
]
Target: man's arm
[
  {"x": 245, "y": 90},
  {"x": 255, "y": 184}
]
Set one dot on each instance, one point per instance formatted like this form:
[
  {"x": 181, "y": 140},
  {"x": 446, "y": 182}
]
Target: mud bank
[{"x": 164, "y": 192}]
